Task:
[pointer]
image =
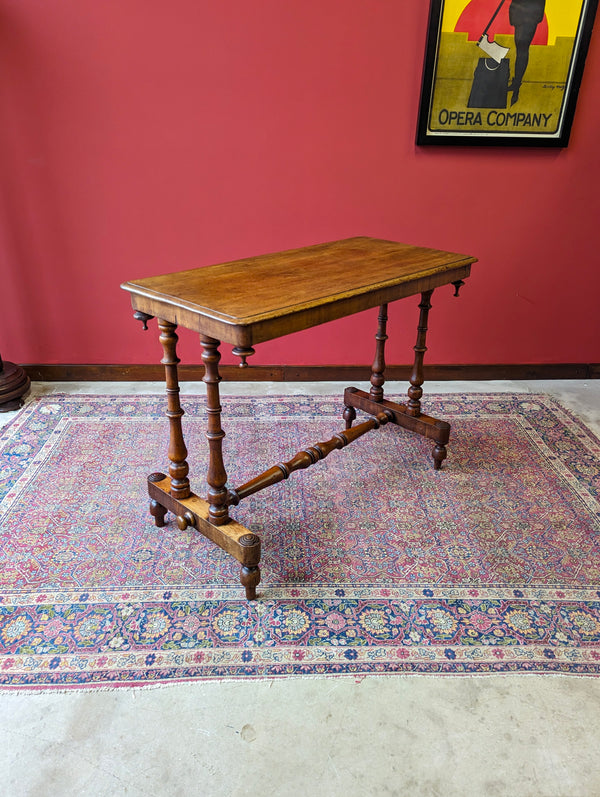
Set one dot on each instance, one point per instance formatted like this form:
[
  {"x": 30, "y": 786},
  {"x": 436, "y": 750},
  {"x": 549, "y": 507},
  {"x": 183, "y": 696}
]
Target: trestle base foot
[
  {"x": 431, "y": 428},
  {"x": 233, "y": 538},
  {"x": 250, "y": 578}
]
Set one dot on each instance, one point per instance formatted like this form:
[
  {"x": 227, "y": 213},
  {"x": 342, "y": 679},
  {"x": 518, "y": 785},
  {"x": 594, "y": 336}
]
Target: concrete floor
[{"x": 514, "y": 735}]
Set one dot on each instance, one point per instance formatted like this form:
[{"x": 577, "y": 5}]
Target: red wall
[{"x": 139, "y": 137}]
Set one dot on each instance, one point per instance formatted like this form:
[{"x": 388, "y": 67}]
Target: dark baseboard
[{"x": 310, "y": 373}]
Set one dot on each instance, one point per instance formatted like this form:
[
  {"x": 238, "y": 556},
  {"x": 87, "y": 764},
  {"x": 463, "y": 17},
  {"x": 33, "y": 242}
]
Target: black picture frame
[{"x": 466, "y": 94}]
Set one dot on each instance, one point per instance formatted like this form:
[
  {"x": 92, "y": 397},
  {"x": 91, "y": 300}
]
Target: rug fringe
[{"x": 358, "y": 680}]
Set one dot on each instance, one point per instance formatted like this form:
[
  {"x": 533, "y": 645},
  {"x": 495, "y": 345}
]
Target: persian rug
[{"x": 372, "y": 561}]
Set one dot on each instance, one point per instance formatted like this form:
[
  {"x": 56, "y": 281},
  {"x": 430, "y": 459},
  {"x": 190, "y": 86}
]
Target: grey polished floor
[{"x": 519, "y": 736}]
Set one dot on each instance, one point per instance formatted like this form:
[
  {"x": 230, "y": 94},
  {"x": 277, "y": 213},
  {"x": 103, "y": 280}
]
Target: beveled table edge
[{"x": 287, "y": 310}]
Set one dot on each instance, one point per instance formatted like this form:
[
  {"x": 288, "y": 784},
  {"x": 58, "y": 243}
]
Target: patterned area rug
[{"x": 372, "y": 561}]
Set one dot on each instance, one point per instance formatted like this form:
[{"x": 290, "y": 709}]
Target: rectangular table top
[{"x": 260, "y": 298}]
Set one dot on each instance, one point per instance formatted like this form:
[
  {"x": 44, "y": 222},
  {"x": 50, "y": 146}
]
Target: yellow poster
[{"x": 503, "y": 69}]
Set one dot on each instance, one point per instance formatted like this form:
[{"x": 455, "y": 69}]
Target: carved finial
[
  {"x": 143, "y": 317},
  {"x": 249, "y": 540},
  {"x": 185, "y": 520},
  {"x": 457, "y": 286},
  {"x": 242, "y": 352}
]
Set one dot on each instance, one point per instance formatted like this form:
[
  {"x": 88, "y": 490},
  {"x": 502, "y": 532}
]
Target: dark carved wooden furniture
[
  {"x": 14, "y": 385},
  {"x": 260, "y": 298}
]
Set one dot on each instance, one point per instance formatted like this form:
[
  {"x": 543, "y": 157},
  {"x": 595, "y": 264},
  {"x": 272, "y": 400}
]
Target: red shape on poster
[{"x": 478, "y": 13}]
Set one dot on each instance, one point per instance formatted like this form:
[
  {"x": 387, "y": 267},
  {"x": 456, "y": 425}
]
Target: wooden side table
[{"x": 249, "y": 301}]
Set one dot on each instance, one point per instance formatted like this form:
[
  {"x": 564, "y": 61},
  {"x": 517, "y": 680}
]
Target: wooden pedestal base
[{"x": 14, "y": 385}]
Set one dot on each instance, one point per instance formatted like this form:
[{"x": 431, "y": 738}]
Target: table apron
[{"x": 261, "y": 330}]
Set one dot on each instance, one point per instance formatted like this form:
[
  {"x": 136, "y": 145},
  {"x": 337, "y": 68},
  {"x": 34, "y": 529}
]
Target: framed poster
[{"x": 503, "y": 72}]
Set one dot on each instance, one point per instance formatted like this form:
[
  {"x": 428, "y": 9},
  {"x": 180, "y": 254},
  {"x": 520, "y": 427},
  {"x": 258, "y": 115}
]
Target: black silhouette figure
[{"x": 524, "y": 16}]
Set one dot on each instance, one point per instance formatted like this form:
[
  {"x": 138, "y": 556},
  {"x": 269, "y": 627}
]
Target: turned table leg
[
  {"x": 378, "y": 367},
  {"x": 218, "y": 498},
  {"x": 216, "y": 476},
  {"x": 415, "y": 391},
  {"x": 178, "y": 469}
]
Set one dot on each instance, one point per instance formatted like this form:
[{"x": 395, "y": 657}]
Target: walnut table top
[{"x": 260, "y": 298}]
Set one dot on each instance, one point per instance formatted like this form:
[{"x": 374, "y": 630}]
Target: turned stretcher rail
[{"x": 306, "y": 458}]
